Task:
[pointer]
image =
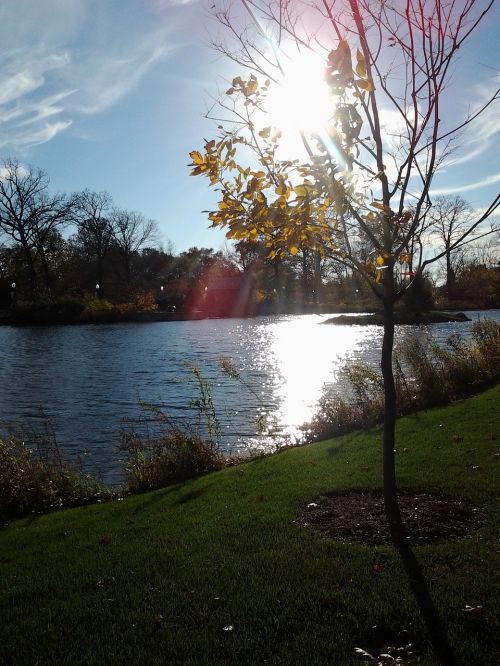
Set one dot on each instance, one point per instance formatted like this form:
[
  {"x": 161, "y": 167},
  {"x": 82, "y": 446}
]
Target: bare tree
[
  {"x": 366, "y": 181},
  {"x": 95, "y": 231},
  {"x": 30, "y": 215},
  {"x": 131, "y": 230},
  {"x": 449, "y": 218}
]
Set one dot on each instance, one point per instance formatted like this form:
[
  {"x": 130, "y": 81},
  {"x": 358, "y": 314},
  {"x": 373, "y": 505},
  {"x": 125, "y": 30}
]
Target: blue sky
[{"x": 110, "y": 95}]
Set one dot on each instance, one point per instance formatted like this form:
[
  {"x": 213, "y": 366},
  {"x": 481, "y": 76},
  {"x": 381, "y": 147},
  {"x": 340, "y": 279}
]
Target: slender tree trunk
[
  {"x": 46, "y": 271},
  {"x": 389, "y": 436},
  {"x": 450, "y": 275},
  {"x": 305, "y": 285},
  {"x": 128, "y": 261},
  {"x": 317, "y": 277},
  {"x": 100, "y": 273},
  {"x": 31, "y": 271}
]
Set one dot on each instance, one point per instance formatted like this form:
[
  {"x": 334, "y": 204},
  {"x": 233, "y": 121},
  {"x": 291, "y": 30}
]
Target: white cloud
[
  {"x": 485, "y": 182},
  {"x": 37, "y": 136},
  {"x": 64, "y": 58},
  {"x": 159, "y": 6},
  {"x": 481, "y": 211},
  {"x": 479, "y": 136},
  {"x": 114, "y": 78}
]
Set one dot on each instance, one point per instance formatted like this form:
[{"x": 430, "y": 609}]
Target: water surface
[{"x": 88, "y": 379}]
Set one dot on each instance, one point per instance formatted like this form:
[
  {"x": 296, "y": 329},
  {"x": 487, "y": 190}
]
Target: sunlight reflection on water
[
  {"x": 307, "y": 358},
  {"x": 86, "y": 379}
]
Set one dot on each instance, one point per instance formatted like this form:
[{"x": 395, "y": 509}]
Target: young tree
[{"x": 362, "y": 192}]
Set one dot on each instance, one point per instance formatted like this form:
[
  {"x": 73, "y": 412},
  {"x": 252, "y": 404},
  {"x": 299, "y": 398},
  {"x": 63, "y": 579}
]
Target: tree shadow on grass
[
  {"x": 154, "y": 497},
  {"x": 436, "y": 629}
]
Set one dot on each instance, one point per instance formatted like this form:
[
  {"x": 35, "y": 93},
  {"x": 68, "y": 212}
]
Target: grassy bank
[{"x": 215, "y": 571}]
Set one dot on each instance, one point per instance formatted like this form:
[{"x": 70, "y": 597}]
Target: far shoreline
[
  {"x": 344, "y": 316},
  {"x": 400, "y": 318}
]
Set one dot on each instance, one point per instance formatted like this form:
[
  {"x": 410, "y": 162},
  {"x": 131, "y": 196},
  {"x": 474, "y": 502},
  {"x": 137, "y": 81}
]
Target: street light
[{"x": 97, "y": 290}]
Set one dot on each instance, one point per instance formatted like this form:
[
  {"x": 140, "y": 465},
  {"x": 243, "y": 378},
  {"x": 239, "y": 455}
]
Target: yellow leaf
[
  {"x": 340, "y": 59},
  {"x": 380, "y": 260},
  {"x": 361, "y": 64},
  {"x": 251, "y": 86},
  {"x": 364, "y": 84},
  {"x": 196, "y": 157},
  {"x": 378, "y": 276},
  {"x": 282, "y": 190},
  {"x": 294, "y": 250}
]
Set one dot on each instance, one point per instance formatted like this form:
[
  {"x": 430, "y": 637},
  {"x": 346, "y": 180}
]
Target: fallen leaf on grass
[
  {"x": 473, "y": 610},
  {"x": 364, "y": 653}
]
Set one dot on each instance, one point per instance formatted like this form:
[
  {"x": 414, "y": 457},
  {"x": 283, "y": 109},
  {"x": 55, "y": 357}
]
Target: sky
[{"x": 111, "y": 95}]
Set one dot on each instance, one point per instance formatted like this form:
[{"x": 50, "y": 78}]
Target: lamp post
[
  {"x": 97, "y": 290},
  {"x": 13, "y": 294}
]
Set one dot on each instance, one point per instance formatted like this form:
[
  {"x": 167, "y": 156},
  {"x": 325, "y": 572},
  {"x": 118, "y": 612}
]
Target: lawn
[{"x": 216, "y": 571}]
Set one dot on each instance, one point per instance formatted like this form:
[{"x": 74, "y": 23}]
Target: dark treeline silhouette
[{"x": 82, "y": 247}]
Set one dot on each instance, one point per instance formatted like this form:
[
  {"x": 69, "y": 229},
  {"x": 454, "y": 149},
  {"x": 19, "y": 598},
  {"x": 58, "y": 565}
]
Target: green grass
[{"x": 155, "y": 578}]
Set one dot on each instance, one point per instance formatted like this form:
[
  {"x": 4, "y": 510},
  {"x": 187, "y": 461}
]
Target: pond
[{"x": 87, "y": 382}]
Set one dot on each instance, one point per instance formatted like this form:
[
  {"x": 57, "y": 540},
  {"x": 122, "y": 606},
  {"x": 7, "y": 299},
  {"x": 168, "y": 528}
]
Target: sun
[{"x": 300, "y": 100}]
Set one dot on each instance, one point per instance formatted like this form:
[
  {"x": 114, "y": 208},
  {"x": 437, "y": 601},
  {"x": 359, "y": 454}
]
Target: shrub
[
  {"x": 60, "y": 310},
  {"x": 164, "y": 460},
  {"x": 68, "y": 308},
  {"x": 145, "y": 302},
  {"x": 34, "y": 478},
  {"x": 176, "y": 452},
  {"x": 97, "y": 304},
  {"x": 426, "y": 375},
  {"x": 420, "y": 295}
]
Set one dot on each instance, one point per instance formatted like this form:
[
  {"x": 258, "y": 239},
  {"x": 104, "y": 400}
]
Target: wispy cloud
[
  {"x": 115, "y": 78},
  {"x": 479, "y": 135},
  {"x": 64, "y": 58},
  {"x": 485, "y": 182},
  {"x": 160, "y": 6},
  {"x": 494, "y": 214}
]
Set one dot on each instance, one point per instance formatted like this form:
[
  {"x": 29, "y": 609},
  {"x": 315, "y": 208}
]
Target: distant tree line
[{"x": 56, "y": 246}]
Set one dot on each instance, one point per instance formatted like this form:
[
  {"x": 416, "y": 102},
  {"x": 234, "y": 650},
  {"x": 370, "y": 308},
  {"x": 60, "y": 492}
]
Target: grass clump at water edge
[
  {"x": 35, "y": 478},
  {"x": 427, "y": 374}
]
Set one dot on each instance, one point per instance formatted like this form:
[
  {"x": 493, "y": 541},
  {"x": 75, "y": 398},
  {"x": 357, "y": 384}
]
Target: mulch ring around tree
[{"x": 355, "y": 516}]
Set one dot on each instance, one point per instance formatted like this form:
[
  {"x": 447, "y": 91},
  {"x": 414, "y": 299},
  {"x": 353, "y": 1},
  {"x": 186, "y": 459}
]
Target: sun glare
[{"x": 301, "y": 99}]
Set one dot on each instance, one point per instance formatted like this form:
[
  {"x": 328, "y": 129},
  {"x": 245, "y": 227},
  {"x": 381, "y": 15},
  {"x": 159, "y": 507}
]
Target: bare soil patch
[{"x": 357, "y": 516}]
